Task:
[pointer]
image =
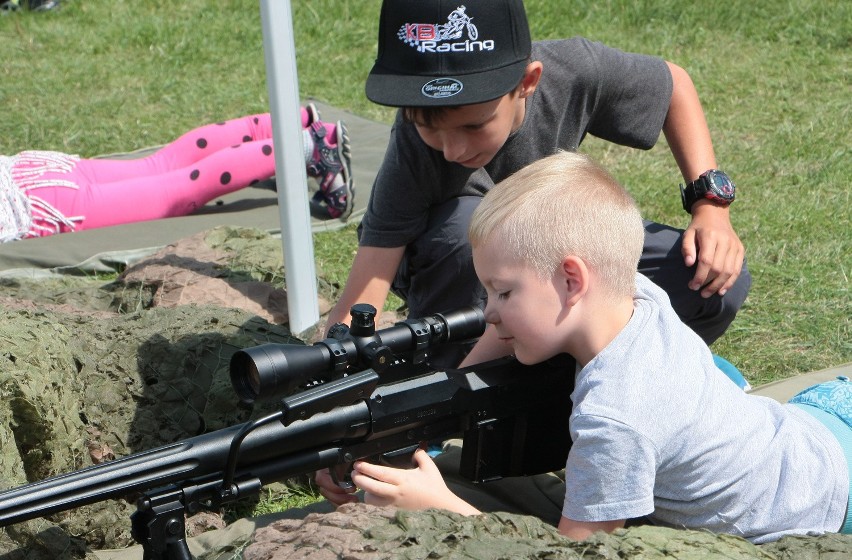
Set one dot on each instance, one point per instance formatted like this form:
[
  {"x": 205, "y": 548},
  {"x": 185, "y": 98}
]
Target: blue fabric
[
  {"x": 834, "y": 397},
  {"x": 831, "y": 404},
  {"x": 732, "y": 372}
]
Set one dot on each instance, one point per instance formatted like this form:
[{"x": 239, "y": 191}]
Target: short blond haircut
[{"x": 565, "y": 204}]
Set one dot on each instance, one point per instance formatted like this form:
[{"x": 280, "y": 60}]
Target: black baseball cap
[{"x": 435, "y": 53}]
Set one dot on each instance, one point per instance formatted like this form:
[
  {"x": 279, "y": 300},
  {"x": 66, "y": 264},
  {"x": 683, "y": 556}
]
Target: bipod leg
[{"x": 159, "y": 525}]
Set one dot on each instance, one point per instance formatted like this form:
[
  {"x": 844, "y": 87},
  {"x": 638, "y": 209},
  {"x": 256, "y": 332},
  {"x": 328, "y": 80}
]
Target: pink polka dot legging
[{"x": 201, "y": 165}]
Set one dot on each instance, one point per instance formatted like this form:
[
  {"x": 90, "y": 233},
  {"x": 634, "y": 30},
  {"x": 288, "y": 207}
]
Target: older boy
[
  {"x": 480, "y": 101},
  {"x": 657, "y": 429}
]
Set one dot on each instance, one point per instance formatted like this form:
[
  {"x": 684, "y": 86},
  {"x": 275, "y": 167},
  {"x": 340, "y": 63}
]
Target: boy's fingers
[
  {"x": 725, "y": 268},
  {"x": 704, "y": 266},
  {"x": 734, "y": 264},
  {"x": 688, "y": 249},
  {"x": 338, "y": 498},
  {"x": 423, "y": 461},
  {"x": 377, "y": 472}
]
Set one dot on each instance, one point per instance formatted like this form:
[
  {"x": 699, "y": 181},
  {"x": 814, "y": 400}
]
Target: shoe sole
[{"x": 346, "y": 161}]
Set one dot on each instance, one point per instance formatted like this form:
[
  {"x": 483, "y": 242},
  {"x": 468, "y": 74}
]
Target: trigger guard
[{"x": 345, "y": 482}]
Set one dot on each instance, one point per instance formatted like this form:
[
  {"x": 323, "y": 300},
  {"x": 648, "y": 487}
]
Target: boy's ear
[
  {"x": 575, "y": 275},
  {"x": 532, "y": 76}
]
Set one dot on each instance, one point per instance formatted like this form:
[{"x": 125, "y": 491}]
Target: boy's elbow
[
  {"x": 581, "y": 530},
  {"x": 680, "y": 77}
]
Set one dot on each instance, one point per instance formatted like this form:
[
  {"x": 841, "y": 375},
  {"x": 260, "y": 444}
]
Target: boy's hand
[
  {"x": 418, "y": 488},
  {"x": 711, "y": 242}
]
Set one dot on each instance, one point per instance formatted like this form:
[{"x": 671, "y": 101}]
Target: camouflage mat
[
  {"x": 93, "y": 370},
  {"x": 361, "y": 532}
]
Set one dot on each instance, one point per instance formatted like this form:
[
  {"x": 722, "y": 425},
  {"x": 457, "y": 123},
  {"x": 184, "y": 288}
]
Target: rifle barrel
[{"x": 188, "y": 462}]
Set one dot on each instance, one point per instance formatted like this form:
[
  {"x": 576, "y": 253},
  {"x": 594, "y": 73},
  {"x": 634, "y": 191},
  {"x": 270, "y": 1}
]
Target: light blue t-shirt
[{"x": 659, "y": 430}]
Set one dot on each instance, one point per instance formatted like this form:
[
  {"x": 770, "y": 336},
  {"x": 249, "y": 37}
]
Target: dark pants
[{"x": 437, "y": 275}]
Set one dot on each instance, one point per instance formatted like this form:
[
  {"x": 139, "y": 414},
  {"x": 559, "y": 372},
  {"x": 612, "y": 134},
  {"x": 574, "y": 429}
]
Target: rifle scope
[{"x": 272, "y": 371}]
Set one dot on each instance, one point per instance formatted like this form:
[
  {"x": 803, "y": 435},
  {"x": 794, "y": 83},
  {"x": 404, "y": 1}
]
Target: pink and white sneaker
[{"x": 330, "y": 164}]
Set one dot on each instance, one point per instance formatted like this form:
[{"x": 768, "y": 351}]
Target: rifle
[{"x": 359, "y": 393}]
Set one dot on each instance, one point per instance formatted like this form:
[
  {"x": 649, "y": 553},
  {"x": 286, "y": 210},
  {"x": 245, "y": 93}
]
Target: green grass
[{"x": 101, "y": 76}]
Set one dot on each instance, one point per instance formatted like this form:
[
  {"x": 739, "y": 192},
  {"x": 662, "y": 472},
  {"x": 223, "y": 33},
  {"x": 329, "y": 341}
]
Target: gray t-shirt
[
  {"x": 586, "y": 88},
  {"x": 658, "y": 430}
]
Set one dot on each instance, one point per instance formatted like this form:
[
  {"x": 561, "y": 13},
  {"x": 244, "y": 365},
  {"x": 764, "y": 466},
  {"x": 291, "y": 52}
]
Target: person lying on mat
[
  {"x": 657, "y": 430},
  {"x": 478, "y": 104},
  {"x": 44, "y": 193}
]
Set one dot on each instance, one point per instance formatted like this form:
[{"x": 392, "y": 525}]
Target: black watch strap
[
  {"x": 711, "y": 185},
  {"x": 689, "y": 196}
]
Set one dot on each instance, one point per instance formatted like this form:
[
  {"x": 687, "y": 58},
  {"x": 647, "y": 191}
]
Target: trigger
[{"x": 342, "y": 475}]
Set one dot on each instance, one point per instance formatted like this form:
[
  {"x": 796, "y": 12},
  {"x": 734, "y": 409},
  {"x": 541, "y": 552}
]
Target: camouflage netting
[
  {"x": 91, "y": 370},
  {"x": 362, "y": 532}
]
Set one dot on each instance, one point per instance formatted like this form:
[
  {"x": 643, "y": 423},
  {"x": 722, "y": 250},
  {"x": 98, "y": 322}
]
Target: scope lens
[
  {"x": 245, "y": 377},
  {"x": 463, "y": 324},
  {"x": 252, "y": 379}
]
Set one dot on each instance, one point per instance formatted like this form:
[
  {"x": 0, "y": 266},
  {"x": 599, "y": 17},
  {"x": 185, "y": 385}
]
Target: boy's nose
[
  {"x": 491, "y": 316},
  {"x": 454, "y": 149}
]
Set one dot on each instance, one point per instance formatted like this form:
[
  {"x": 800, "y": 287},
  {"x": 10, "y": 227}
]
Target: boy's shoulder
[
  {"x": 575, "y": 44},
  {"x": 551, "y": 47},
  {"x": 576, "y": 60},
  {"x": 581, "y": 53},
  {"x": 567, "y": 41}
]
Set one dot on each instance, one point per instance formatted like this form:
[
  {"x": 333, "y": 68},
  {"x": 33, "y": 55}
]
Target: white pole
[{"x": 284, "y": 103}]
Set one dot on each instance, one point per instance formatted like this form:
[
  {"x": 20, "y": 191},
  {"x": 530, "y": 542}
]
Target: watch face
[{"x": 722, "y": 189}]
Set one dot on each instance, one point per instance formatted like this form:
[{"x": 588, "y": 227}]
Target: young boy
[
  {"x": 480, "y": 101},
  {"x": 657, "y": 429}
]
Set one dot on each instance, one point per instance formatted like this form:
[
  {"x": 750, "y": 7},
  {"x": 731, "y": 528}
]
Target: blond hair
[{"x": 564, "y": 204}]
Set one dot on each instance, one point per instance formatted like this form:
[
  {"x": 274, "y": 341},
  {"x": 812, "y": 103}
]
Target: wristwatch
[{"x": 712, "y": 185}]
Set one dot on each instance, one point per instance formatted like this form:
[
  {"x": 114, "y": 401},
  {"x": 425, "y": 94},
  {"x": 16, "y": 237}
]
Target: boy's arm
[
  {"x": 710, "y": 240},
  {"x": 581, "y": 530},
  {"x": 370, "y": 277}
]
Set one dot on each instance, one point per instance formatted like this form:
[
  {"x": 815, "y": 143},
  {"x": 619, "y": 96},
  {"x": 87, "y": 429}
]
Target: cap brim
[{"x": 394, "y": 89}]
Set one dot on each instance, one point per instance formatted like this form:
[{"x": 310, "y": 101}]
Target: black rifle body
[{"x": 514, "y": 420}]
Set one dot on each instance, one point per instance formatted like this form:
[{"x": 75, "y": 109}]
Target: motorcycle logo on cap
[{"x": 442, "y": 37}]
